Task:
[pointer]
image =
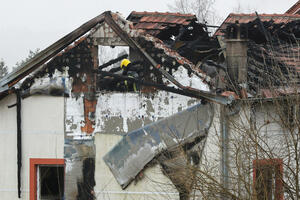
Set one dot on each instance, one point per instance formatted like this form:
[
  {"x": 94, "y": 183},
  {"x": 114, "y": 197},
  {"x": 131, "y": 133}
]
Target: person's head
[{"x": 124, "y": 63}]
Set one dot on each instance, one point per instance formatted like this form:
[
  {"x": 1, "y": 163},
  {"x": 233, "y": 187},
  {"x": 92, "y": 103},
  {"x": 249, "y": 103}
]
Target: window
[
  {"x": 267, "y": 178},
  {"x": 46, "y": 179}
]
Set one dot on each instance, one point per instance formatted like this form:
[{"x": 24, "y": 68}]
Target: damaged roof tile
[
  {"x": 151, "y": 21},
  {"x": 246, "y": 18},
  {"x": 295, "y": 9}
]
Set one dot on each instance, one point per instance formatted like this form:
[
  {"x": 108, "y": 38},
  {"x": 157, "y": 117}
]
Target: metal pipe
[
  {"x": 19, "y": 141},
  {"x": 225, "y": 143},
  {"x": 224, "y": 139}
]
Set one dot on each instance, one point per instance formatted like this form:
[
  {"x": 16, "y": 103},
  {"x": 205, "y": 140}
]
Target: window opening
[{"x": 50, "y": 182}]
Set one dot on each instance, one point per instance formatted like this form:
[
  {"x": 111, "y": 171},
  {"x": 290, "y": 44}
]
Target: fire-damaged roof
[
  {"x": 191, "y": 45},
  {"x": 179, "y": 32},
  {"x": 126, "y": 33},
  {"x": 268, "y": 64},
  {"x": 273, "y": 55},
  {"x": 246, "y": 18},
  {"x": 82, "y": 72},
  {"x": 295, "y": 9},
  {"x": 154, "y": 22}
]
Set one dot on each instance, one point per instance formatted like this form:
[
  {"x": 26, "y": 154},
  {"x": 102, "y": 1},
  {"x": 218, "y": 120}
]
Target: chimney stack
[{"x": 236, "y": 54}]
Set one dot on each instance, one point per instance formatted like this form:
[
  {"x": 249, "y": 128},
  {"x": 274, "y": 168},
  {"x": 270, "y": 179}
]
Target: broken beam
[
  {"x": 263, "y": 28},
  {"x": 113, "y": 61},
  {"x": 151, "y": 84},
  {"x": 190, "y": 92}
]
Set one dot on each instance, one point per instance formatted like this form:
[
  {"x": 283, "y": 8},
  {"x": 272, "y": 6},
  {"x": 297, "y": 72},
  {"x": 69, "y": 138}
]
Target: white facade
[{"x": 42, "y": 137}]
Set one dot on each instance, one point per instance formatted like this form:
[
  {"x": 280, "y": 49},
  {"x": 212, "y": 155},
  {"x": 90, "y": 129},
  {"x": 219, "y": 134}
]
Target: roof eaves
[
  {"x": 4, "y": 89},
  {"x": 294, "y": 8}
]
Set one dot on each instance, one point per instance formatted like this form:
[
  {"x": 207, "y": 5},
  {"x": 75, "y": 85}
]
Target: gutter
[
  {"x": 225, "y": 144},
  {"x": 18, "y": 104}
]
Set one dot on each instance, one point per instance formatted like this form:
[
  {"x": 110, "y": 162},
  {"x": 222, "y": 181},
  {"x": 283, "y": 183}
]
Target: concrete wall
[{"x": 42, "y": 137}]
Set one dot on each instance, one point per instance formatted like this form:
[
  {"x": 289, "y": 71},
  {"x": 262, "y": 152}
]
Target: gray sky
[{"x": 31, "y": 24}]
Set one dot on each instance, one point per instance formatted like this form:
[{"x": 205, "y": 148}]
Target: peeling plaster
[
  {"x": 118, "y": 113},
  {"x": 128, "y": 108},
  {"x": 75, "y": 118}
]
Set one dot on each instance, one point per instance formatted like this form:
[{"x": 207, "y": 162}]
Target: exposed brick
[{"x": 89, "y": 107}]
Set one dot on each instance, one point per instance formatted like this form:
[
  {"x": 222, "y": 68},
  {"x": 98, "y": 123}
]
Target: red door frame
[{"x": 34, "y": 162}]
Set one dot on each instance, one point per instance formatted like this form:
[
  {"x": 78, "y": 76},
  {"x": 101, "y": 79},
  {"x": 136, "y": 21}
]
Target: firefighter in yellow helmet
[
  {"x": 130, "y": 71},
  {"x": 125, "y": 63}
]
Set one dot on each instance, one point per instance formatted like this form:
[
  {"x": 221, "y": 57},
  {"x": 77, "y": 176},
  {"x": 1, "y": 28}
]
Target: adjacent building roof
[
  {"x": 154, "y": 22},
  {"x": 246, "y": 18},
  {"x": 295, "y": 9}
]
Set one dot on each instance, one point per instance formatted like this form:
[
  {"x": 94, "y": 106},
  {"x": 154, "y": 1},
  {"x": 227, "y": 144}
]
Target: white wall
[
  {"x": 42, "y": 137},
  {"x": 243, "y": 149}
]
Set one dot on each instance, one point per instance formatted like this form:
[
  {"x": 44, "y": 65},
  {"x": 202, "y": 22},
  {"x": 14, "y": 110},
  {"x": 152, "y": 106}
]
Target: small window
[
  {"x": 50, "y": 182},
  {"x": 267, "y": 178},
  {"x": 47, "y": 178}
]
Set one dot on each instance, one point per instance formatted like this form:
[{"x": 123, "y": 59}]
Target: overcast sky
[{"x": 30, "y": 24}]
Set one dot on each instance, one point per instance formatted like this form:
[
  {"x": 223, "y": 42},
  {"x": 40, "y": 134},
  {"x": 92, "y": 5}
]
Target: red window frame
[
  {"x": 34, "y": 162},
  {"x": 278, "y": 164}
]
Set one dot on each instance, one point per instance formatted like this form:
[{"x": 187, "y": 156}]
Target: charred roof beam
[
  {"x": 190, "y": 92},
  {"x": 113, "y": 61}
]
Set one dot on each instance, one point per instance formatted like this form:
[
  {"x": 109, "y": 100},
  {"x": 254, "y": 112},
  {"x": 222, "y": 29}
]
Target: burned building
[
  {"x": 84, "y": 108},
  {"x": 81, "y": 129}
]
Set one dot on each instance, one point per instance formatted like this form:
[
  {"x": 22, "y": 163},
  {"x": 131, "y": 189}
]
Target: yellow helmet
[{"x": 124, "y": 63}]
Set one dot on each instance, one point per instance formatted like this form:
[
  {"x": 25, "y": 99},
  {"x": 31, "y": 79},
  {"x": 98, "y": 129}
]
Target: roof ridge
[
  {"x": 163, "y": 13},
  {"x": 265, "y": 14}
]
